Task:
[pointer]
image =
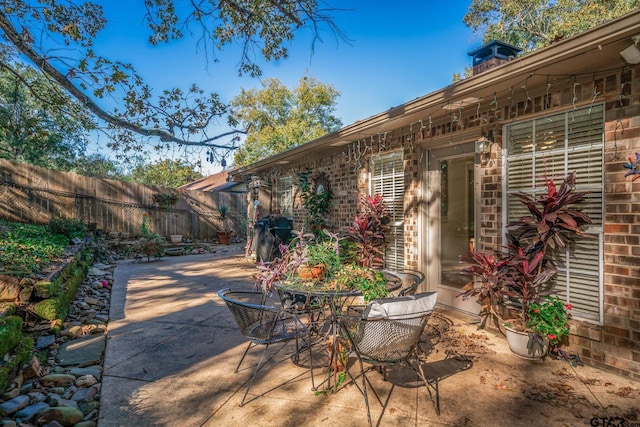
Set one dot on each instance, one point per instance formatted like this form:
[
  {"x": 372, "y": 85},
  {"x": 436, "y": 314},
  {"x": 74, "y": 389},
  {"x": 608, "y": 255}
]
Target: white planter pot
[
  {"x": 176, "y": 238},
  {"x": 524, "y": 346}
]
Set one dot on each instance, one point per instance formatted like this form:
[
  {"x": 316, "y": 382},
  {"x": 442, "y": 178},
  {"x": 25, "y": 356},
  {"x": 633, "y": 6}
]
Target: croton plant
[{"x": 525, "y": 271}]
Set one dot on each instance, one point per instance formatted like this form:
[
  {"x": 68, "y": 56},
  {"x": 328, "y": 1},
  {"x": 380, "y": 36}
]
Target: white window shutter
[
  {"x": 551, "y": 147},
  {"x": 387, "y": 179}
]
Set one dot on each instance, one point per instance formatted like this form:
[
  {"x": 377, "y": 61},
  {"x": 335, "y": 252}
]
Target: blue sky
[{"x": 397, "y": 52}]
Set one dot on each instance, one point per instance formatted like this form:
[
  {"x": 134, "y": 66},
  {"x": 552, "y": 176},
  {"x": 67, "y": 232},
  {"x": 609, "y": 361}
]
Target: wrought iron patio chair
[
  {"x": 386, "y": 333},
  {"x": 264, "y": 325},
  {"x": 410, "y": 279}
]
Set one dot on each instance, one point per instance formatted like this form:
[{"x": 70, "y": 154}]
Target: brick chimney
[{"x": 491, "y": 55}]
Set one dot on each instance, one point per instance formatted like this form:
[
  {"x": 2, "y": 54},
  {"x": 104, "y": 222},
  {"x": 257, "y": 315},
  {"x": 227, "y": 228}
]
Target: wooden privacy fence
[{"x": 36, "y": 195}]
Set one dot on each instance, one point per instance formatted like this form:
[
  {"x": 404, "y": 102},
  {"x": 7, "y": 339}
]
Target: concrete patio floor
[{"x": 173, "y": 346}]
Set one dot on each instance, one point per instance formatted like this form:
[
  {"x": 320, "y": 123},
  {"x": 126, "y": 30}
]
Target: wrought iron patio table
[{"x": 331, "y": 303}]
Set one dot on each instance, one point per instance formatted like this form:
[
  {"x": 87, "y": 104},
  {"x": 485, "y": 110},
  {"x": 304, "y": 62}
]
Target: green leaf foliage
[
  {"x": 39, "y": 124},
  {"x": 10, "y": 333},
  {"x": 26, "y": 248},
  {"x": 165, "y": 173},
  {"x": 69, "y": 227},
  {"x": 59, "y": 37},
  {"x": 533, "y": 24},
  {"x": 278, "y": 118}
]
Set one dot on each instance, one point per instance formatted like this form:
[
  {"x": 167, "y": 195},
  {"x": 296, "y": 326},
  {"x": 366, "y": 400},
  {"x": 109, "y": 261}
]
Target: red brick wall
[{"x": 615, "y": 345}]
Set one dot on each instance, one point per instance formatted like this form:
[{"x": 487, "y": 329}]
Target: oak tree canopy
[{"x": 57, "y": 38}]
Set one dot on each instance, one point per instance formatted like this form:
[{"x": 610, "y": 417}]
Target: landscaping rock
[
  {"x": 86, "y": 381},
  {"x": 100, "y": 266},
  {"x": 37, "y": 397},
  {"x": 95, "y": 371},
  {"x": 84, "y": 394},
  {"x": 15, "y": 404},
  {"x": 74, "y": 331},
  {"x": 45, "y": 341},
  {"x": 10, "y": 394},
  {"x": 82, "y": 351},
  {"x": 59, "y": 401},
  {"x": 27, "y": 387},
  {"x": 104, "y": 318},
  {"x": 33, "y": 370},
  {"x": 91, "y": 300},
  {"x": 88, "y": 406},
  {"x": 53, "y": 380},
  {"x": 9, "y": 288},
  {"x": 30, "y": 411},
  {"x": 69, "y": 393},
  {"x": 95, "y": 272},
  {"x": 64, "y": 415}
]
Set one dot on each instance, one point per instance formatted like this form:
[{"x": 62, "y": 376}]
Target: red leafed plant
[
  {"x": 525, "y": 272},
  {"x": 527, "y": 279},
  {"x": 552, "y": 221},
  {"x": 368, "y": 231},
  {"x": 491, "y": 274}
]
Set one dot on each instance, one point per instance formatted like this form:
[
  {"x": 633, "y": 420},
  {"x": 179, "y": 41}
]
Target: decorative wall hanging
[
  {"x": 633, "y": 166},
  {"x": 164, "y": 199},
  {"x": 316, "y": 198}
]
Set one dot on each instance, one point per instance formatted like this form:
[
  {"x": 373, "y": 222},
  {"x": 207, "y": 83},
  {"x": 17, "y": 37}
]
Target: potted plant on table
[
  {"x": 342, "y": 271},
  {"x": 523, "y": 277}
]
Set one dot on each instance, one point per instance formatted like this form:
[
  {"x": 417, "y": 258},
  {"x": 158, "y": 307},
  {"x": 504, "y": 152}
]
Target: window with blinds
[
  {"x": 550, "y": 147},
  {"x": 284, "y": 196},
  {"x": 387, "y": 179}
]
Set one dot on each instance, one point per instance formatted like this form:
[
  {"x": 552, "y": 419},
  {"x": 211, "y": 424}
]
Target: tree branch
[{"x": 24, "y": 46}]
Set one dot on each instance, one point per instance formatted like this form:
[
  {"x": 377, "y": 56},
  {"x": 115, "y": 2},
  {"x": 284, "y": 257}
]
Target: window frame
[
  {"x": 284, "y": 196},
  {"x": 394, "y": 181},
  {"x": 582, "y": 131}
]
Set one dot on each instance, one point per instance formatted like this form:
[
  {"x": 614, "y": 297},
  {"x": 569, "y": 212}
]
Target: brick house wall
[{"x": 614, "y": 345}]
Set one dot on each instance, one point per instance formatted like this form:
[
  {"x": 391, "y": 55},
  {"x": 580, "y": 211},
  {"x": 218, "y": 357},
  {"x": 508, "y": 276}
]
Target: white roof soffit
[{"x": 601, "y": 44}]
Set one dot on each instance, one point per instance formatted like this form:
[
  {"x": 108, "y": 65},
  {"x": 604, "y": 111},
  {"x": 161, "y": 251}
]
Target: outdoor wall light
[
  {"x": 632, "y": 53},
  {"x": 483, "y": 144}
]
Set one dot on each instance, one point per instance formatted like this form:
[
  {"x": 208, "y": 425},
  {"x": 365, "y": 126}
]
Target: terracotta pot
[
  {"x": 525, "y": 346},
  {"x": 311, "y": 272},
  {"x": 224, "y": 237}
]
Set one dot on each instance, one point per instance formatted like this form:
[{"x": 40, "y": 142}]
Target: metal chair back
[
  {"x": 265, "y": 324},
  {"x": 411, "y": 280},
  {"x": 383, "y": 342}
]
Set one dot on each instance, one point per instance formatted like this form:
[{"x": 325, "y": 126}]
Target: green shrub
[
  {"x": 10, "y": 333},
  {"x": 27, "y": 248},
  {"x": 20, "y": 357},
  {"x": 64, "y": 288},
  {"x": 69, "y": 227},
  {"x": 45, "y": 289},
  {"x": 47, "y": 309}
]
